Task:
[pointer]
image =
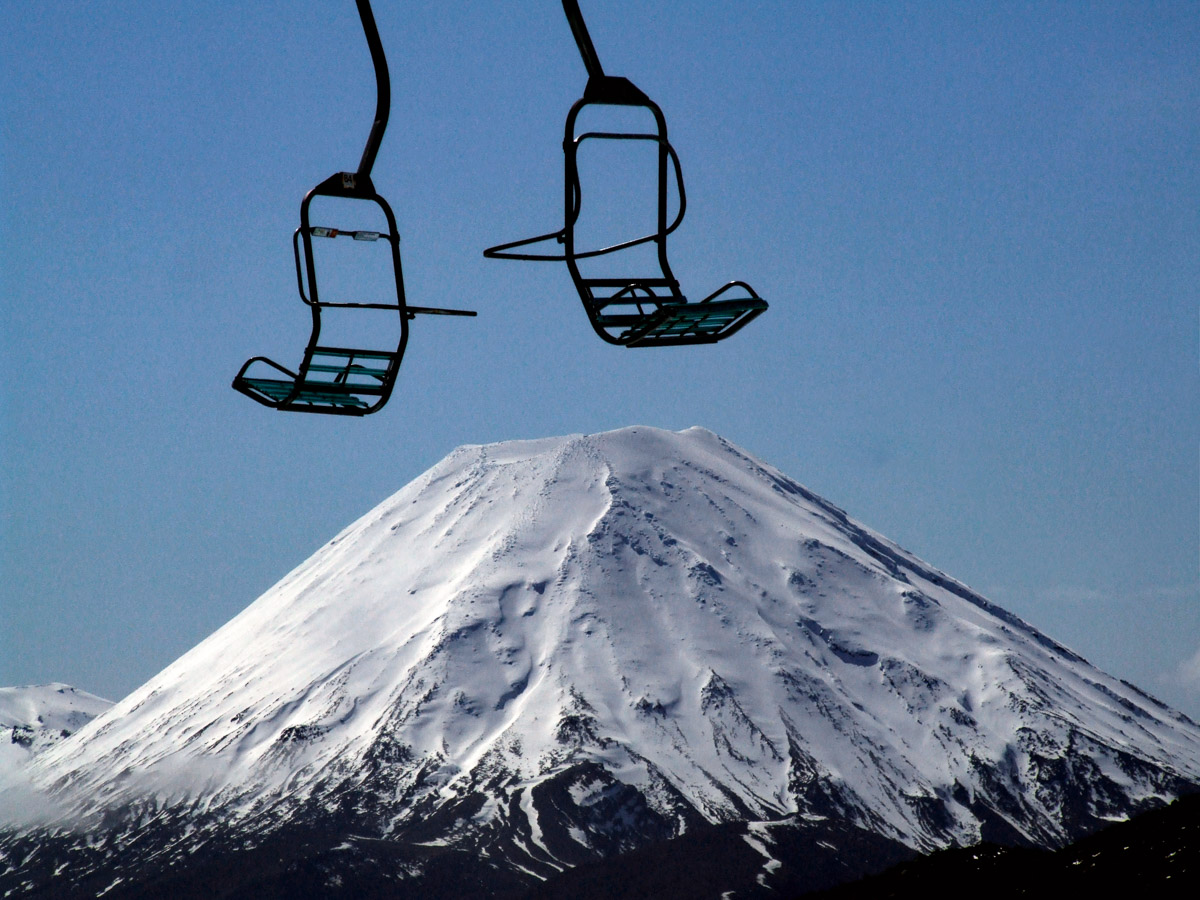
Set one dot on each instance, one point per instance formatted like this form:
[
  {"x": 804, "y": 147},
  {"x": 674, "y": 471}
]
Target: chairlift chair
[
  {"x": 646, "y": 309},
  {"x": 346, "y": 381}
]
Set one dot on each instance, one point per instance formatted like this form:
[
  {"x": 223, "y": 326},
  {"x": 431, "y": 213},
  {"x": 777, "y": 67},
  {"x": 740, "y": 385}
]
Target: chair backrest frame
[{"x": 573, "y": 203}]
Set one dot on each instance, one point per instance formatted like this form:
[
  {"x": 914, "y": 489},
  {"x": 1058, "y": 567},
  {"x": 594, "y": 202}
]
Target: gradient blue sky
[{"x": 978, "y": 226}]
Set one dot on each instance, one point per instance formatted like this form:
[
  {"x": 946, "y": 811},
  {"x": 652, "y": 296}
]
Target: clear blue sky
[{"x": 978, "y": 226}]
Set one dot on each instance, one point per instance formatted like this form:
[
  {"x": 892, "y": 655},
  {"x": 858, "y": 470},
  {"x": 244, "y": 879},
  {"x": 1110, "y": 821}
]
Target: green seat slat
[
  {"x": 352, "y": 370},
  {"x": 357, "y": 354},
  {"x": 626, "y": 282},
  {"x": 339, "y": 389},
  {"x": 277, "y": 390},
  {"x": 614, "y": 320}
]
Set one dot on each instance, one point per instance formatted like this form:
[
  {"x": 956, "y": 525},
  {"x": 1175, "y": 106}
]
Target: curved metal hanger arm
[
  {"x": 383, "y": 89},
  {"x": 583, "y": 40},
  {"x": 600, "y": 88}
]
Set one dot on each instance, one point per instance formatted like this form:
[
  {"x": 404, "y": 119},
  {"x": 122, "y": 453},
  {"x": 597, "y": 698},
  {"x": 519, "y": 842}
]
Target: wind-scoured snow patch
[{"x": 758, "y": 836}]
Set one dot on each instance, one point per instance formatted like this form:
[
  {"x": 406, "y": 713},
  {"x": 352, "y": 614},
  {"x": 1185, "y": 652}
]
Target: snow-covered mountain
[
  {"x": 34, "y": 717},
  {"x": 540, "y": 655}
]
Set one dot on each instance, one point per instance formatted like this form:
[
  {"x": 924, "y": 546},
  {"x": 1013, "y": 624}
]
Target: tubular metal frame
[
  {"x": 656, "y": 311},
  {"x": 335, "y": 380}
]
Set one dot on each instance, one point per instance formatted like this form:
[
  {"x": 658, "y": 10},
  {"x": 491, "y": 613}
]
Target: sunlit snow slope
[{"x": 659, "y": 627}]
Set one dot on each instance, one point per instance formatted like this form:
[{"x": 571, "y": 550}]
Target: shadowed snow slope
[{"x": 553, "y": 651}]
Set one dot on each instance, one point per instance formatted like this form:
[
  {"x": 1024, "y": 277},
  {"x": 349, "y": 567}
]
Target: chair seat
[
  {"x": 336, "y": 379},
  {"x": 682, "y": 323},
  {"x": 310, "y": 393}
]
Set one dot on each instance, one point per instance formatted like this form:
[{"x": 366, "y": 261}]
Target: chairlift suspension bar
[
  {"x": 383, "y": 89},
  {"x": 583, "y": 40}
]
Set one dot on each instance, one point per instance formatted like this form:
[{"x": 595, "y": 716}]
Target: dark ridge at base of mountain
[
  {"x": 298, "y": 863},
  {"x": 292, "y": 862},
  {"x": 1158, "y": 851},
  {"x": 729, "y": 860}
]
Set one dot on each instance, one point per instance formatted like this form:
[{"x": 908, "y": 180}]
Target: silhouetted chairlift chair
[
  {"x": 347, "y": 381},
  {"x": 633, "y": 311}
]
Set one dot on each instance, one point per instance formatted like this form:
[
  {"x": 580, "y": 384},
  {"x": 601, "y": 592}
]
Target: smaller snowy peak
[{"x": 38, "y": 716}]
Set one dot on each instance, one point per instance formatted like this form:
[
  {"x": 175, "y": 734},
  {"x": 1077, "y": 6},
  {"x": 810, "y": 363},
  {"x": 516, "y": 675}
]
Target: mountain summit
[{"x": 541, "y": 655}]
